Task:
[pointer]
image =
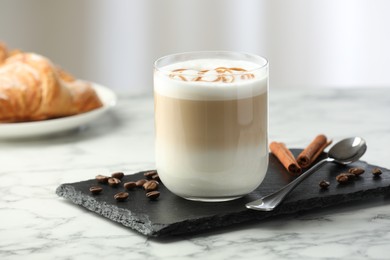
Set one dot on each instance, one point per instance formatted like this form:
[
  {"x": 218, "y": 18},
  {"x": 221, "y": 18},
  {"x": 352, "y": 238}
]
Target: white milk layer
[
  {"x": 241, "y": 87},
  {"x": 218, "y": 174}
]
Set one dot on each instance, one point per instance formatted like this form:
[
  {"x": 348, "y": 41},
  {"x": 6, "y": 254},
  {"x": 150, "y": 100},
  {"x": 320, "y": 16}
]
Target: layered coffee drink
[{"x": 211, "y": 119}]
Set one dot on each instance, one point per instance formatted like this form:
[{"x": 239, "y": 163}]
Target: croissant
[
  {"x": 3, "y": 52},
  {"x": 32, "y": 88}
]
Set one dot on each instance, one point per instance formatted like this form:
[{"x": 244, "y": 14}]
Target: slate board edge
[{"x": 142, "y": 225}]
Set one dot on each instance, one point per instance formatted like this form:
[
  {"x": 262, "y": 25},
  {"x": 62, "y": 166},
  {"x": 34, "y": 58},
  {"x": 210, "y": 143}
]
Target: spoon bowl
[
  {"x": 344, "y": 152},
  {"x": 348, "y": 150}
]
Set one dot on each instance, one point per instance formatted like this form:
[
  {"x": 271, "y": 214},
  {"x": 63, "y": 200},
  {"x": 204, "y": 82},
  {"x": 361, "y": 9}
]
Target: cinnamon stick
[
  {"x": 285, "y": 156},
  {"x": 311, "y": 152}
]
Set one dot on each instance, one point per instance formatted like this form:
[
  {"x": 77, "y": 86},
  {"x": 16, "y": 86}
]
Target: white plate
[{"x": 50, "y": 126}]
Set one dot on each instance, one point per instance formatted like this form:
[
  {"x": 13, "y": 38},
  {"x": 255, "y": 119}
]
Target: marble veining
[{"x": 36, "y": 224}]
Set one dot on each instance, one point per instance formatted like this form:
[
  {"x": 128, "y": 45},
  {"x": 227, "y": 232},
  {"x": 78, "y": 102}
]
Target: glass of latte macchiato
[{"x": 211, "y": 123}]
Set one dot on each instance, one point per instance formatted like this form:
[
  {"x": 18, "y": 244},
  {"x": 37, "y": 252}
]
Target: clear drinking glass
[{"x": 211, "y": 123}]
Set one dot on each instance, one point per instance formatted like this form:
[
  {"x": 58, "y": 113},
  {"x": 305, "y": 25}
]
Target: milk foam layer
[{"x": 241, "y": 87}]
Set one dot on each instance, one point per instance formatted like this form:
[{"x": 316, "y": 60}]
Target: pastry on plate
[{"x": 32, "y": 88}]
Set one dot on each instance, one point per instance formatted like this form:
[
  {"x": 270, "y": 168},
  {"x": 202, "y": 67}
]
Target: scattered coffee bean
[
  {"x": 130, "y": 185},
  {"x": 152, "y": 195},
  {"x": 350, "y": 176},
  {"x": 118, "y": 175},
  {"x": 376, "y": 172},
  {"x": 342, "y": 178},
  {"x": 357, "y": 171},
  {"x": 121, "y": 196},
  {"x": 150, "y": 186},
  {"x": 156, "y": 177},
  {"x": 101, "y": 178},
  {"x": 140, "y": 183},
  {"x": 149, "y": 174},
  {"x": 324, "y": 184},
  {"x": 95, "y": 190},
  {"x": 113, "y": 181}
]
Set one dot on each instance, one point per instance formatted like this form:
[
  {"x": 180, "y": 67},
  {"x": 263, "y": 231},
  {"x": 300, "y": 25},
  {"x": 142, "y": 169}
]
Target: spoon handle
[{"x": 269, "y": 202}]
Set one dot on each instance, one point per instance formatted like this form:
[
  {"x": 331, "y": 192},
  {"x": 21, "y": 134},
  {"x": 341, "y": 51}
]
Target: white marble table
[{"x": 36, "y": 224}]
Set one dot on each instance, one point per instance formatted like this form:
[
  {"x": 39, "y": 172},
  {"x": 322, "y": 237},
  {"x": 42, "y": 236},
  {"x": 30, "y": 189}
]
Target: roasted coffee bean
[
  {"x": 156, "y": 177},
  {"x": 129, "y": 185},
  {"x": 140, "y": 183},
  {"x": 152, "y": 195},
  {"x": 95, "y": 190},
  {"x": 149, "y": 174},
  {"x": 324, "y": 184},
  {"x": 118, "y": 175},
  {"x": 150, "y": 186},
  {"x": 101, "y": 178},
  {"x": 357, "y": 171},
  {"x": 121, "y": 196},
  {"x": 113, "y": 181},
  {"x": 350, "y": 176},
  {"x": 342, "y": 178},
  {"x": 376, "y": 172}
]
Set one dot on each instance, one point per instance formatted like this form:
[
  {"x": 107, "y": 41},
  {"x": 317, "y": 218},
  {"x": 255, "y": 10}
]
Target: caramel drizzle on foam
[{"x": 223, "y": 74}]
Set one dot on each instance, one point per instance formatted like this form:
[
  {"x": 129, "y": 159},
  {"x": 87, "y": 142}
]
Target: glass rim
[{"x": 263, "y": 66}]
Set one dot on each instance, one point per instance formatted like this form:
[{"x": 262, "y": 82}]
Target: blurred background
[{"x": 310, "y": 44}]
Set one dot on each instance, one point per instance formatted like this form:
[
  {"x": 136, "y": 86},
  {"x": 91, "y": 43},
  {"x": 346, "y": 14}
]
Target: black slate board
[{"x": 172, "y": 215}]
